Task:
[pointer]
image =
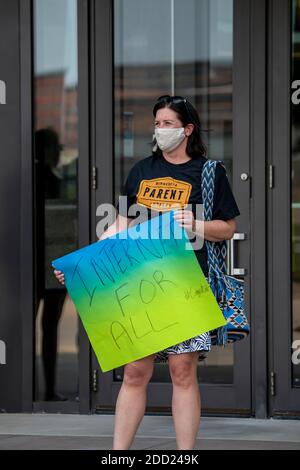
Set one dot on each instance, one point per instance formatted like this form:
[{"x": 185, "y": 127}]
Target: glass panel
[
  {"x": 56, "y": 158},
  {"x": 183, "y": 48},
  {"x": 295, "y": 190}
]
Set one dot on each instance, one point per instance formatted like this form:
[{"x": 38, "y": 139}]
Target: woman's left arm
[{"x": 214, "y": 230}]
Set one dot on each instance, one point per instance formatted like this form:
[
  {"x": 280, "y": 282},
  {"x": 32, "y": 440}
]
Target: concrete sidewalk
[{"x": 70, "y": 432}]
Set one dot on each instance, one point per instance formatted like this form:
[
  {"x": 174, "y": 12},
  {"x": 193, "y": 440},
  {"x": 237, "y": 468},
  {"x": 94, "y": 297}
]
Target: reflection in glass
[
  {"x": 56, "y": 157},
  {"x": 183, "y": 48},
  {"x": 295, "y": 190}
]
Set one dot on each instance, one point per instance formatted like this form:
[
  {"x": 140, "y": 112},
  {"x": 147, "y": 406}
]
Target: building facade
[{"x": 78, "y": 80}]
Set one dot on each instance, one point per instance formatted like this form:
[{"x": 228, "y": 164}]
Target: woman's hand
[
  {"x": 60, "y": 276},
  {"x": 185, "y": 219},
  {"x": 213, "y": 230}
]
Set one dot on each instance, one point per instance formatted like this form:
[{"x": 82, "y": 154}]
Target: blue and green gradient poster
[{"x": 139, "y": 291}]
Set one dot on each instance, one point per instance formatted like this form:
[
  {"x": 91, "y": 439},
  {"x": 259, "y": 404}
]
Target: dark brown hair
[{"x": 186, "y": 114}]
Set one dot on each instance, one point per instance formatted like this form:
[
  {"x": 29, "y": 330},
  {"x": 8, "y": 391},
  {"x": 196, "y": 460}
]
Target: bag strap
[{"x": 216, "y": 251}]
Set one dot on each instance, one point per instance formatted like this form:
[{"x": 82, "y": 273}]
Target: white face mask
[{"x": 169, "y": 138}]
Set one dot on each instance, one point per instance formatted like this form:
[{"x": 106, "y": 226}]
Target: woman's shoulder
[
  {"x": 136, "y": 166},
  {"x": 200, "y": 159},
  {"x": 143, "y": 162},
  {"x": 139, "y": 169},
  {"x": 220, "y": 168}
]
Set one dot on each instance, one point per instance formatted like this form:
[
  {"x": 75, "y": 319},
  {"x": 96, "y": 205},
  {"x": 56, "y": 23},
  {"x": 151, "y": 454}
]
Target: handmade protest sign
[{"x": 139, "y": 291}]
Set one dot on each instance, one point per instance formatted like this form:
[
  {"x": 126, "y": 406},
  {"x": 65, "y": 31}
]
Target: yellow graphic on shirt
[{"x": 164, "y": 193}]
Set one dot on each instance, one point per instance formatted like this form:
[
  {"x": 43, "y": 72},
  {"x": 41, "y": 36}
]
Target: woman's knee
[
  {"x": 138, "y": 373},
  {"x": 183, "y": 370}
]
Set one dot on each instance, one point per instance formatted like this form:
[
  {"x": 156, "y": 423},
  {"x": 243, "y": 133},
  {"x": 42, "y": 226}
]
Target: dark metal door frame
[
  {"x": 26, "y": 237},
  {"x": 284, "y": 399},
  {"x": 101, "y": 28},
  {"x": 257, "y": 250},
  {"x": 249, "y": 156}
]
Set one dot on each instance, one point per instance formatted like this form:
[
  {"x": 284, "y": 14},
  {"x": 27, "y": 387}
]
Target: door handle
[{"x": 231, "y": 269}]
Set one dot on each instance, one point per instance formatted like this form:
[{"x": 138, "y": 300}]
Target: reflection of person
[
  {"x": 175, "y": 167},
  {"x": 47, "y": 150}
]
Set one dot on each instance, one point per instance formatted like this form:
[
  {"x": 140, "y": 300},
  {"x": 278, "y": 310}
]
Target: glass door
[
  {"x": 284, "y": 201},
  {"x": 55, "y": 85},
  {"x": 181, "y": 48}
]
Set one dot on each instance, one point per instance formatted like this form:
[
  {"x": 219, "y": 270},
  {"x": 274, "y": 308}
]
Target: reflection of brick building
[
  {"x": 194, "y": 80},
  {"x": 208, "y": 86},
  {"x": 56, "y": 106}
]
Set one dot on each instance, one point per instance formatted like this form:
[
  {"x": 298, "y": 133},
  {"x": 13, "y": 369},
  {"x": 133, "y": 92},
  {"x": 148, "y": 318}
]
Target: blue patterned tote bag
[{"x": 228, "y": 290}]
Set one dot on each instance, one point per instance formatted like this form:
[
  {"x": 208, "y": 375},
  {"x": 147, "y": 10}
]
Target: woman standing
[{"x": 173, "y": 174}]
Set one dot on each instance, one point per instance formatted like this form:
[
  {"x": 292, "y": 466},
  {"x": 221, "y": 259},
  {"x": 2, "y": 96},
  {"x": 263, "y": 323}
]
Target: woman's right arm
[{"x": 121, "y": 223}]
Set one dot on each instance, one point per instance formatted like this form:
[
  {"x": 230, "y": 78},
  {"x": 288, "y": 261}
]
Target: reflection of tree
[
  {"x": 47, "y": 150},
  {"x": 296, "y": 16},
  {"x": 48, "y": 186}
]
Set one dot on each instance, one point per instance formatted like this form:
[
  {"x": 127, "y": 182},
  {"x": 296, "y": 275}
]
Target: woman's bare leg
[
  {"x": 131, "y": 402},
  {"x": 186, "y": 404}
]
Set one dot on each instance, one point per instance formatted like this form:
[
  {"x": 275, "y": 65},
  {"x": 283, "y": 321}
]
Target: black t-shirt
[{"x": 154, "y": 180}]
